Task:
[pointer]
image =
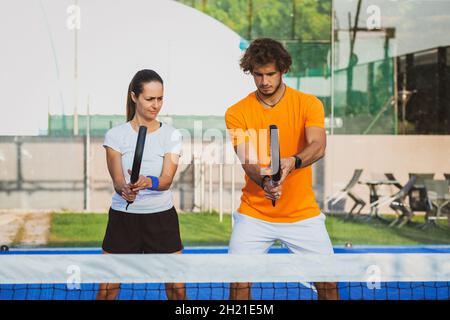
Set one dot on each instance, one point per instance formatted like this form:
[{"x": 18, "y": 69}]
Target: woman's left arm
[{"x": 170, "y": 165}]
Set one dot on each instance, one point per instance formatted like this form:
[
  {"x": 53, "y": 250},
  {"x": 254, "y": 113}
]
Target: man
[{"x": 295, "y": 219}]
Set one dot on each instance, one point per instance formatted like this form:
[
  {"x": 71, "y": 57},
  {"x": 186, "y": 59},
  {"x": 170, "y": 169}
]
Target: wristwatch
[{"x": 298, "y": 162}]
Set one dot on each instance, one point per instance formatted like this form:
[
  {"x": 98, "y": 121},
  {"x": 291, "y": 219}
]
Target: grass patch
[
  {"x": 88, "y": 230},
  {"x": 204, "y": 229},
  {"x": 77, "y": 230},
  {"x": 378, "y": 233}
]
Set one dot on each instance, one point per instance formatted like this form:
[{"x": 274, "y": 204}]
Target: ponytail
[{"x": 131, "y": 106}]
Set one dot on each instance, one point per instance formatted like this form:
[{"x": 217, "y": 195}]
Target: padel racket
[
  {"x": 138, "y": 152},
  {"x": 275, "y": 162}
]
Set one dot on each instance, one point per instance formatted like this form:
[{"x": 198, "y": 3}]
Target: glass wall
[{"x": 390, "y": 94}]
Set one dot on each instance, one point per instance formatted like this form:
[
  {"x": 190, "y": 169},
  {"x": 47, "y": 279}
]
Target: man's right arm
[
  {"x": 247, "y": 154},
  {"x": 253, "y": 171}
]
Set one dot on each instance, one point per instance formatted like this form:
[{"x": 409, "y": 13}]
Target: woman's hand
[
  {"x": 128, "y": 194},
  {"x": 142, "y": 183}
]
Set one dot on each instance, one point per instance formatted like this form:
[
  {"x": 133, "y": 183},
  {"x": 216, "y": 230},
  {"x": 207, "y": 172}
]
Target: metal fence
[{"x": 70, "y": 173}]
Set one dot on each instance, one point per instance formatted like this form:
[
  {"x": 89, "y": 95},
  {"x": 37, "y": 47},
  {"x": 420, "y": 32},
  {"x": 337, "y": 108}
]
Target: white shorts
[{"x": 255, "y": 236}]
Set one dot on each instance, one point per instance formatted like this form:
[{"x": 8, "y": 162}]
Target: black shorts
[{"x": 142, "y": 233}]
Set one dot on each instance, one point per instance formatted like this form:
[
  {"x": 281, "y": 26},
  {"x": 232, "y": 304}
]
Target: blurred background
[{"x": 381, "y": 69}]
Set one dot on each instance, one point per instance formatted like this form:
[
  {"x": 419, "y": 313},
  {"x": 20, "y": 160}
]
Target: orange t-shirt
[{"x": 295, "y": 112}]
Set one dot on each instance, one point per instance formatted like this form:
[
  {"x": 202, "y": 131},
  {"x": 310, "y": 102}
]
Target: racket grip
[{"x": 273, "y": 201}]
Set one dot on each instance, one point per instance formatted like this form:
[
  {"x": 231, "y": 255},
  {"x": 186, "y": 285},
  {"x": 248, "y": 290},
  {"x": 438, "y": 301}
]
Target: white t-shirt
[{"x": 165, "y": 139}]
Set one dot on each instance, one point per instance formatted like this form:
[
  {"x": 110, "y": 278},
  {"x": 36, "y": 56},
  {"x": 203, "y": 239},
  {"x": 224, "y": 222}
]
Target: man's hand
[
  {"x": 272, "y": 190},
  {"x": 287, "y": 165}
]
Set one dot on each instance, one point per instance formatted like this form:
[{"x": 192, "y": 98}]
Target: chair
[
  {"x": 390, "y": 177},
  {"x": 347, "y": 191},
  {"x": 397, "y": 203},
  {"x": 446, "y": 210},
  {"x": 438, "y": 197},
  {"x": 418, "y": 195}
]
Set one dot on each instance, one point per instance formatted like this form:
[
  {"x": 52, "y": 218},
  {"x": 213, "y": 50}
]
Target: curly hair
[{"x": 263, "y": 51}]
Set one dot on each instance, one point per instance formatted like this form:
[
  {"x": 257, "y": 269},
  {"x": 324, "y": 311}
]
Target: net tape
[{"x": 213, "y": 268}]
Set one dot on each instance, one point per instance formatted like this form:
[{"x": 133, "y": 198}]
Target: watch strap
[{"x": 298, "y": 162}]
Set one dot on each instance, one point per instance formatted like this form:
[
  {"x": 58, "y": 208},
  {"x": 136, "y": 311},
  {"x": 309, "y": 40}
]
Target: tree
[{"x": 304, "y": 26}]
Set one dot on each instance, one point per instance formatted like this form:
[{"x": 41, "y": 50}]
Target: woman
[{"x": 150, "y": 224}]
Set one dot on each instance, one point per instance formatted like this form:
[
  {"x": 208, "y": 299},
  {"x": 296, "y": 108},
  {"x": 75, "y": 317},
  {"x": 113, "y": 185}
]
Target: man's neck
[{"x": 274, "y": 98}]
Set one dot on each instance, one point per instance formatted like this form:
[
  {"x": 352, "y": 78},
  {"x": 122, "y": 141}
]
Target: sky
[{"x": 197, "y": 56}]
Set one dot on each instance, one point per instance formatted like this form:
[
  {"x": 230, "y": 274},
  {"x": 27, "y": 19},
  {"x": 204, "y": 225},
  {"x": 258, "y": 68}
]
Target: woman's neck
[{"x": 151, "y": 125}]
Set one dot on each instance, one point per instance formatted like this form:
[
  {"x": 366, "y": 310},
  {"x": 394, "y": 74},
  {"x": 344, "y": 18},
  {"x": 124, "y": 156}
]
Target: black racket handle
[
  {"x": 275, "y": 155},
  {"x": 138, "y": 153}
]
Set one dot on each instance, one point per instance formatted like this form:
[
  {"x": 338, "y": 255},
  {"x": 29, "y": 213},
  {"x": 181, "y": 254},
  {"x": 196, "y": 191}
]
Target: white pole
[
  {"x": 48, "y": 117},
  {"x": 197, "y": 183},
  {"x": 87, "y": 191},
  {"x": 332, "y": 66},
  {"x": 210, "y": 186},
  {"x": 233, "y": 187},
  {"x": 395, "y": 97},
  {"x": 221, "y": 192},
  {"x": 75, "y": 107},
  {"x": 202, "y": 187}
]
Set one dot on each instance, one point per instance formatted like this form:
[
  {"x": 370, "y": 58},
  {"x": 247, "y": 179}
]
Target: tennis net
[{"x": 208, "y": 276}]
